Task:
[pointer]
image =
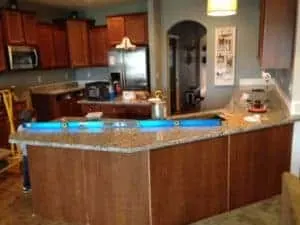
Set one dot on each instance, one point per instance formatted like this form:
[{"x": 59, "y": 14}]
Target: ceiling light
[{"x": 221, "y": 7}]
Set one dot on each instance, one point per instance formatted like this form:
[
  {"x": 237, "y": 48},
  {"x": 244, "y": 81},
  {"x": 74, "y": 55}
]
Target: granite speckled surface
[
  {"x": 134, "y": 140},
  {"x": 57, "y": 89}
]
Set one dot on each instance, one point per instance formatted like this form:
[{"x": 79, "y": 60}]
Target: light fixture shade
[
  {"x": 126, "y": 44},
  {"x": 221, "y": 7}
]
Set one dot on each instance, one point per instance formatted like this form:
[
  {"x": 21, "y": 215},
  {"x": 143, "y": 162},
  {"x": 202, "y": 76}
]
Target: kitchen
[{"x": 170, "y": 14}]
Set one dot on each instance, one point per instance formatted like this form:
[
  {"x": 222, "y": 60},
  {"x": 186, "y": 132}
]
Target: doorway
[{"x": 186, "y": 56}]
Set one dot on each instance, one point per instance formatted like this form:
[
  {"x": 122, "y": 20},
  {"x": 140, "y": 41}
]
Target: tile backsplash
[
  {"x": 26, "y": 79},
  {"x": 283, "y": 77},
  {"x": 91, "y": 74}
]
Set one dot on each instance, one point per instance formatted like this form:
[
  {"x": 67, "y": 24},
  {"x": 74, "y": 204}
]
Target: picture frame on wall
[{"x": 225, "y": 56}]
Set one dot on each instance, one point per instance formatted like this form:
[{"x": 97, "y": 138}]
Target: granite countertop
[
  {"x": 134, "y": 140},
  {"x": 57, "y": 89},
  {"x": 116, "y": 101}
]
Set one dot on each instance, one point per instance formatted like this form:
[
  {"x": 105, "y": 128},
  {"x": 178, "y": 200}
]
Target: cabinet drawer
[{"x": 113, "y": 111}]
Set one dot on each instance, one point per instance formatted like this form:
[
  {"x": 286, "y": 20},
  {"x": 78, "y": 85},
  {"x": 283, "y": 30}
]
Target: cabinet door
[
  {"x": 60, "y": 47},
  {"x": 257, "y": 161},
  {"x": 115, "y": 29},
  {"x": 30, "y": 28},
  {"x": 136, "y": 28},
  {"x": 189, "y": 181},
  {"x": 12, "y": 21},
  {"x": 4, "y": 132},
  {"x": 277, "y": 32},
  {"x": 2, "y": 52},
  {"x": 78, "y": 43},
  {"x": 98, "y": 46},
  {"x": 46, "y": 48}
]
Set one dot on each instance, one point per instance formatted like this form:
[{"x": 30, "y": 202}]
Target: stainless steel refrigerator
[{"x": 132, "y": 67}]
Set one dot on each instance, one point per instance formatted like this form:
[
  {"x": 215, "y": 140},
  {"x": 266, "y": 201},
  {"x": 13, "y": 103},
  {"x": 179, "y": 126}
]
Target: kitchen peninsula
[{"x": 160, "y": 177}]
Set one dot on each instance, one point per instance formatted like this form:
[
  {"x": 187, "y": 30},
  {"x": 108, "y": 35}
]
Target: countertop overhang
[{"x": 130, "y": 140}]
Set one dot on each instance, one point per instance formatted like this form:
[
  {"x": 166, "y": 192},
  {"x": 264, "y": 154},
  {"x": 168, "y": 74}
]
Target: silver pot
[{"x": 159, "y": 109}]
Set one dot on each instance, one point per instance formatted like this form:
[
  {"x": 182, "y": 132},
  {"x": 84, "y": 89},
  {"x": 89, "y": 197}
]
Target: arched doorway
[{"x": 187, "y": 63}]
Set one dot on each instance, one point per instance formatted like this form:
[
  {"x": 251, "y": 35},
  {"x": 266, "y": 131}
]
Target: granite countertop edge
[
  {"x": 154, "y": 146},
  {"x": 57, "y": 92}
]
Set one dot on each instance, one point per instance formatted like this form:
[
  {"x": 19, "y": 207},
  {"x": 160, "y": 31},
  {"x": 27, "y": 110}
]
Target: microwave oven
[
  {"x": 22, "y": 57},
  {"x": 97, "y": 91}
]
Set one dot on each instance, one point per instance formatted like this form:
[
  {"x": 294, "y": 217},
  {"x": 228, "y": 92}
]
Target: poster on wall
[{"x": 225, "y": 56}]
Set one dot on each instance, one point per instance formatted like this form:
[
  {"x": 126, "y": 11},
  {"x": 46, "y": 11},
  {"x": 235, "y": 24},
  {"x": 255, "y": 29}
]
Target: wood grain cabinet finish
[
  {"x": 115, "y": 29},
  {"x": 78, "y": 43},
  {"x": 13, "y": 27},
  {"x": 189, "y": 181},
  {"x": 257, "y": 161},
  {"x": 277, "y": 32},
  {"x": 2, "y": 52},
  {"x": 60, "y": 47},
  {"x": 46, "y": 46},
  {"x": 136, "y": 27},
  {"x": 98, "y": 46},
  {"x": 29, "y": 22}
]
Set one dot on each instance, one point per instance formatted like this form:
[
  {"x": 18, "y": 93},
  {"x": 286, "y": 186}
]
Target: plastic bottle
[{"x": 111, "y": 92}]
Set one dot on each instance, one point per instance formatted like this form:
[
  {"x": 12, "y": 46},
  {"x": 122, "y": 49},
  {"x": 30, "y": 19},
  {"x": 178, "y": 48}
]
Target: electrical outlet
[
  {"x": 66, "y": 75},
  {"x": 39, "y": 79},
  {"x": 89, "y": 74}
]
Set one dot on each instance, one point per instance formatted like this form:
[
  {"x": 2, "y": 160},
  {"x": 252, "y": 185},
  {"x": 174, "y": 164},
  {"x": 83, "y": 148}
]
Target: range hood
[{"x": 126, "y": 44}]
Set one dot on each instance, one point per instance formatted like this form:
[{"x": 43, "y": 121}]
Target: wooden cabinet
[
  {"x": 115, "y": 29},
  {"x": 13, "y": 27},
  {"x": 98, "y": 46},
  {"x": 121, "y": 111},
  {"x": 29, "y": 22},
  {"x": 46, "y": 46},
  {"x": 135, "y": 26},
  {"x": 60, "y": 47},
  {"x": 78, "y": 43},
  {"x": 277, "y": 32},
  {"x": 189, "y": 181},
  {"x": 50, "y": 107},
  {"x": 2, "y": 52},
  {"x": 4, "y": 124},
  {"x": 257, "y": 161}
]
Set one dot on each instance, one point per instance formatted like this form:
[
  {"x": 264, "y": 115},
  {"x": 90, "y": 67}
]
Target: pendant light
[{"x": 221, "y": 7}]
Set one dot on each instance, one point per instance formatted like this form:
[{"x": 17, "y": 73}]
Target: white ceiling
[{"x": 79, "y": 3}]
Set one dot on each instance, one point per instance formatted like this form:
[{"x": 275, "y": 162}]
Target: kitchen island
[{"x": 160, "y": 177}]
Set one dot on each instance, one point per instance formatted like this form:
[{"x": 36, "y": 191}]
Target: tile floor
[{"x": 15, "y": 209}]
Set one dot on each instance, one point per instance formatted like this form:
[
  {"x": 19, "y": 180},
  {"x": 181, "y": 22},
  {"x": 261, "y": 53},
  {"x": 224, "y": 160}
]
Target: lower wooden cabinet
[
  {"x": 189, "y": 181},
  {"x": 257, "y": 161},
  {"x": 121, "y": 111},
  {"x": 50, "y": 107}
]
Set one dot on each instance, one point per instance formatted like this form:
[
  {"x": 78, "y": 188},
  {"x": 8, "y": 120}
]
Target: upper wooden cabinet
[
  {"x": 13, "y": 27},
  {"x": 116, "y": 29},
  {"x": 98, "y": 46},
  {"x": 78, "y": 42},
  {"x": 2, "y": 52},
  {"x": 19, "y": 27},
  {"x": 277, "y": 32},
  {"x": 60, "y": 47},
  {"x": 46, "y": 46},
  {"x": 134, "y": 26},
  {"x": 30, "y": 26}
]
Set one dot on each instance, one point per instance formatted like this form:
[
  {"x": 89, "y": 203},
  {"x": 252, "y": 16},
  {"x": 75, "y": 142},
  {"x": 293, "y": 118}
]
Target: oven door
[{"x": 22, "y": 57}]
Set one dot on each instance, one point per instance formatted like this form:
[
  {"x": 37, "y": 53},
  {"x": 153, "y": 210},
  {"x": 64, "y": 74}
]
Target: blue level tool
[{"x": 102, "y": 124}]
